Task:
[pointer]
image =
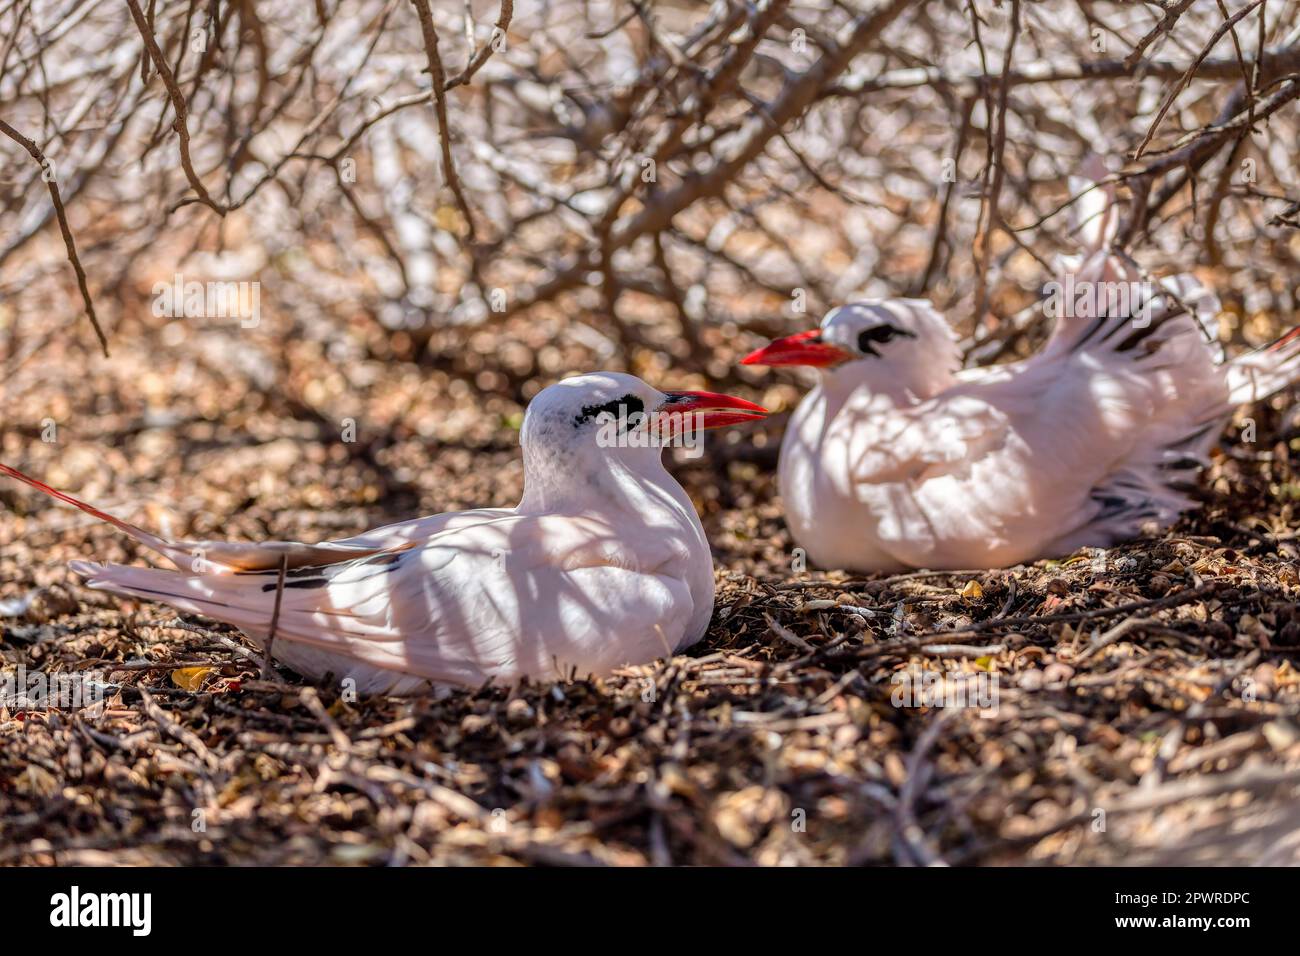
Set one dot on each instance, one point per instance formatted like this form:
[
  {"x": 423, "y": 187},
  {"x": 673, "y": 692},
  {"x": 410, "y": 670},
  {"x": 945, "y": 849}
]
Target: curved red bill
[
  {"x": 803, "y": 348},
  {"x": 710, "y": 409}
]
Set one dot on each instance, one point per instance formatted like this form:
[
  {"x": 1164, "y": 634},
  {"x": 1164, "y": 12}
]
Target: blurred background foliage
[{"x": 653, "y": 186}]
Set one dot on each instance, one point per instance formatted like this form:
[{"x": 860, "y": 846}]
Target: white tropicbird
[
  {"x": 899, "y": 459},
  {"x": 602, "y": 563}
]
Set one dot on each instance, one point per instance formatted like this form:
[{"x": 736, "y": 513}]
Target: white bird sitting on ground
[
  {"x": 603, "y": 562},
  {"x": 899, "y": 459}
]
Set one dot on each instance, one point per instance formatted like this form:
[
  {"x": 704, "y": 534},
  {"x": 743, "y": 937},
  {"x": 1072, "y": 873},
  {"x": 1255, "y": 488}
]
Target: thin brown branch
[
  {"x": 439, "y": 79},
  {"x": 485, "y": 52},
  {"x": 268, "y": 669},
  {"x": 1173, "y": 11},
  {"x": 1191, "y": 71},
  {"x": 179, "y": 108},
  {"x": 68, "y": 241}
]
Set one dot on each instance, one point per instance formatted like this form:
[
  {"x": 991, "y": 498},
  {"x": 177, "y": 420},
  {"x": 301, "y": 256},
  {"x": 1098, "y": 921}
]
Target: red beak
[
  {"x": 804, "y": 348},
  {"x": 709, "y": 405}
]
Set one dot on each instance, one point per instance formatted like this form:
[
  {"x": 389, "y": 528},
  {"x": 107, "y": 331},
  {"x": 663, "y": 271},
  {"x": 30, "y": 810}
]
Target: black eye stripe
[
  {"x": 628, "y": 405},
  {"x": 880, "y": 334}
]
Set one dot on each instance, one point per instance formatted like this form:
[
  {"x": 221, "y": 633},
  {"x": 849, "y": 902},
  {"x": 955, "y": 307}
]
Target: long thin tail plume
[
  {"x": 215, "y": 557},
  {"x": 166, "y": 548}
]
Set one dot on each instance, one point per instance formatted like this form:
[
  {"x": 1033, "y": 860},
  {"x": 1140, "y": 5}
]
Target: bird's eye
[{"x": 879, "y": 335}]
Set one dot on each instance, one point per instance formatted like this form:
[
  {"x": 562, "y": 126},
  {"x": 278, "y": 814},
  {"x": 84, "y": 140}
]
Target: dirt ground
[{"x": 1145, "y": 704}]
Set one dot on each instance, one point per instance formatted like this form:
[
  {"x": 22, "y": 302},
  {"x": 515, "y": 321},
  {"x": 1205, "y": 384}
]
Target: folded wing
[{"x": 538, "y": 596}]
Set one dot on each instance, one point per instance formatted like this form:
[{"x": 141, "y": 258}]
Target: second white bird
[{"x": 901, "y": 459}]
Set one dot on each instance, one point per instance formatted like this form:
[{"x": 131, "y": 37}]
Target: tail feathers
[
  {"x": 182, "y": 591},
  {"x": 168, "y": 549},
  {"x": 216, "y": 597},
  {"x": 315, "y": 644},
  {"x": 1259, "y": 374},
  {"x": 246, "y": 600}
]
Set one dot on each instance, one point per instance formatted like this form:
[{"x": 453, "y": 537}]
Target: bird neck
[
  {"x": 615, "y": 483},
  {"x": 887, "y": 385},
  {"x": 864, "y": 397}
]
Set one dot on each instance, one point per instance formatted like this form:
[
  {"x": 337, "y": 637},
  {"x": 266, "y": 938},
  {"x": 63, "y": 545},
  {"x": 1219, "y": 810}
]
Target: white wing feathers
[{"x": 938, "y": 437}]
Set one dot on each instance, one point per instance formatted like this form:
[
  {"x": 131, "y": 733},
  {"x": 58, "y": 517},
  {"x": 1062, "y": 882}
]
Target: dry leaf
[{"x": 191, "y": 678}]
